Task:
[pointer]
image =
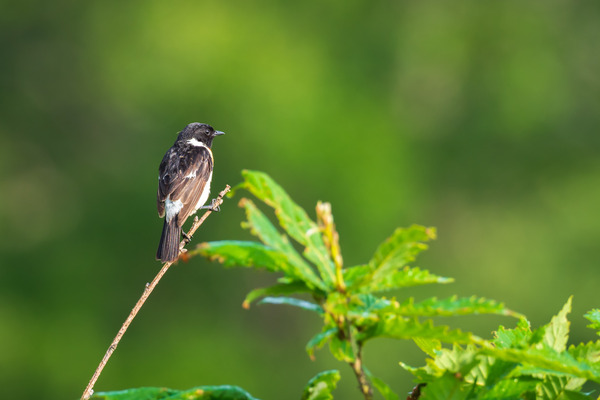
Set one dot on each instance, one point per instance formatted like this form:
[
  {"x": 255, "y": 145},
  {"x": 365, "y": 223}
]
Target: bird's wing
[
  {"x": 184, "y": 179},
  {"x": 167, "y": 175}
]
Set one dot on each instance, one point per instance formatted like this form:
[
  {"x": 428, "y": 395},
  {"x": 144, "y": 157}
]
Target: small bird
[{"x": 184, "y": 177}]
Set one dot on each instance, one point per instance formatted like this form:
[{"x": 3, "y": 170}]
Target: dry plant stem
[{"x": 87, "y": 393}]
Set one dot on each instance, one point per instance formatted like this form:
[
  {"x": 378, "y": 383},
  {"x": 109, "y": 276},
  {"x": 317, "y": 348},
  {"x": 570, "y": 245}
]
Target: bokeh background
[{"x": 479, "y": 118}]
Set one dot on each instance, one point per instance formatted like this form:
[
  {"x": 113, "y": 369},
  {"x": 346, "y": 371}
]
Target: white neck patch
[{"x": 197, "y": 143}]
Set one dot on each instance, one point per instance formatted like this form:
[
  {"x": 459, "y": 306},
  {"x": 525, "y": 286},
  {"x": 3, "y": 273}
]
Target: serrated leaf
[
  {"x": 245, "y": 254},
  {"x": 404, "y": 328},
  {"x": 321, "y": 386},
  {"x": 294, "y": 220},
  {"x": 556, "y": 388},
  {"x": 521, "y": 388},
  {"x": 224, "y": 392},
  {"x": 546, "y": 360},
  {"x": 557, "y": 331},
  {"x": 518, "y": 337},
  {"x": 354, "y": 276},
  {"x": 497, "y": 370},
  {"x": 319, "y": 340},
  {"x": 362, "y": 309},
  {"x": 594, "y": 317},
  {"x": 261, "y": 227},
  {"x": 446, "y": 387},
  {"x": 463, "y": 361},
  {"x": 276, "y": 290},
  {"x": 586, "y": 351},
  {"x": 452, "y": 306},
  {"x": 429, "y": 346},
  {"x": 359, "y": 279},
  {"x": 406, "y": 277},
  {"x": 397, "y": 251},
  {"x": 290, "y": 301}
]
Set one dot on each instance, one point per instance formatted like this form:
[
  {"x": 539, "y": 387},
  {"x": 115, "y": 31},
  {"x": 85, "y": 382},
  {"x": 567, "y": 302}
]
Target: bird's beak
[{"x": 219, "y": 133}]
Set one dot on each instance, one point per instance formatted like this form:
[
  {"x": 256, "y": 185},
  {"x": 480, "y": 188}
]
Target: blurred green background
[{"x": 479, "y": 118}]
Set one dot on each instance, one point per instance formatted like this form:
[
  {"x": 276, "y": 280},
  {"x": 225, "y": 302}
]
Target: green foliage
[
  {"x": 321, "y": 386},
  {"x": 594, "y": 317},
  {"x": 517, "y": 363},
  {"x": 346, "y": 297},
  {"x": 198, "y": 393},
  {"x": 318, "y": 388}
]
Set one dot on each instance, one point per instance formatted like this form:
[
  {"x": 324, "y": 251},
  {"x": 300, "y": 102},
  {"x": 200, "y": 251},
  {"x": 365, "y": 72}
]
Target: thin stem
[
  {"x": 89, "y": 390},
  {"x": 345, "y": 332},
  {"x": 345, "y": 329},
  {"x": 363, "y": 381}
]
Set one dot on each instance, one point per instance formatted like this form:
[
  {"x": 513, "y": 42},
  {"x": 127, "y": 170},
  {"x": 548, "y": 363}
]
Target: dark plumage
[{"x": 184, "y": 180}]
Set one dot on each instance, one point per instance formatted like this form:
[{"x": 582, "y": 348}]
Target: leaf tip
[{"x": 431, "y": 232}]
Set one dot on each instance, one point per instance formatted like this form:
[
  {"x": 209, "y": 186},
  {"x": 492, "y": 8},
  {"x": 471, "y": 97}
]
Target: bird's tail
[{"x": 168, "y": 248}]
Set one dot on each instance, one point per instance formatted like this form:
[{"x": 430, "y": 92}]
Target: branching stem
[{"x": 89, "y": 390}]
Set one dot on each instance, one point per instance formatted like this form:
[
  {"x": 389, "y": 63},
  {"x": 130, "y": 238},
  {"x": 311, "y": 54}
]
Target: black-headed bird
[{"x": 184, "y": 179}]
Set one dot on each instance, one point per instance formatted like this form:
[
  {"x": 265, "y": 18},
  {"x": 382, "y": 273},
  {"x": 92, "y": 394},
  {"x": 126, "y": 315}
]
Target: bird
[{"x": 184, "y": 178}]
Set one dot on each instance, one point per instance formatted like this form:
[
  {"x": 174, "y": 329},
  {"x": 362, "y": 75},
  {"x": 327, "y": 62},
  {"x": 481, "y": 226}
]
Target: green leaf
[
  {"x": 594, "y": 317},
  {"x": 498, "y": 370},
  {"x": 382, "y": 387},
  {"x": 589, "y": 352},
  {"x": 306, "y": 305},
  {"x": 144, "y": 393},
  {"x": 457, "y": 360},
  {"x": 319, "y": 340},
  {"x": 261, "y": 227},
  {"x": 471, "y": 370},
  {"x": 321, "y": 386},
  {"x": 359, "y": 279},
  {"x": 245, "y": 254},
  {"x": 451, "y": 306},
  {"x": 518, "y": 338},
  {"x": 447, "y": 387},
  {"x": 224, "y": 392},
  {"x": 397, "y": 251},
  {"x": 404, "y": 328},
  {"x": 519, "y": 363},
  {"x": 342, "y": 349},
  {"x": 356, "y": 275},
  {"x": 276, "y": 290},
  {"x": 544, "y": 359},
  {"x": 429, "y": 346},
  {"x": 556, "y": 388},
  {"x": 557, "y": 331},
  {"x": 294, "y": 220},
  {"x": 522, "y": 388}
]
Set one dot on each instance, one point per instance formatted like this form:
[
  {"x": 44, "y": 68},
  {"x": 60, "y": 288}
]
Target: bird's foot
[{"x": 213, "y": 206}]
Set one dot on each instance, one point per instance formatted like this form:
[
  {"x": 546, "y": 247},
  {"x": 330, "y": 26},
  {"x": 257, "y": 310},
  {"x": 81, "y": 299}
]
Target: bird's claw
[{"x": 213, "y": 206}]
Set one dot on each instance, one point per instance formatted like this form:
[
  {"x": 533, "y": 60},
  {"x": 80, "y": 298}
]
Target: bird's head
[{"x": 201, "y": 132}]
